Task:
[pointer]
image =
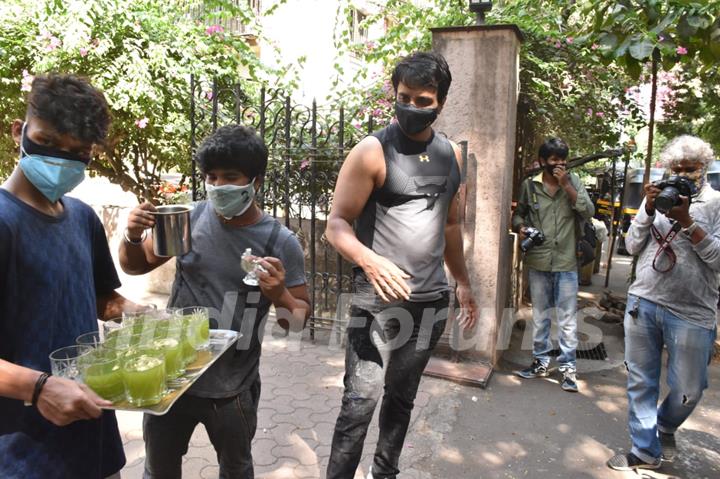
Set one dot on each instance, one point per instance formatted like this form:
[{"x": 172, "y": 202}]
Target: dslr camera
[
  {"x": 672, "y": 189},
  {"x": 533, "y": 237}
]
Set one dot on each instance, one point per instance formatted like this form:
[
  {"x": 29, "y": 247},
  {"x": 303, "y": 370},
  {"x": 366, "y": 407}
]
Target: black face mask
[
  {"x": 414, "y": 120},
  {"x": 29, "y": 147}
]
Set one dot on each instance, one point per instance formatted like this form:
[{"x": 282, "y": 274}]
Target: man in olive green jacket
[{"x": 546, "y": 215}]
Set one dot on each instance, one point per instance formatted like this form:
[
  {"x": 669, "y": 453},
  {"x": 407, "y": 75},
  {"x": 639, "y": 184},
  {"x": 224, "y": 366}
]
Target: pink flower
[
  {"x": 142, "y": 123},
  {"x": 681, "y": 51},
  {"x": 558, "y": 45},
  {"x": 304, "y": 164},
  {"x": 83, "y": 52},
  {"x": 53, "y": 43},
  {"x": 209, "y": 95},
  {"x": 600, "y": 114},
  {"x": 594, "y": 46},
  {"x": 569, "y": 40},
  {"x": 212, "y": 29},
  {"x": 26, "y": 82}
]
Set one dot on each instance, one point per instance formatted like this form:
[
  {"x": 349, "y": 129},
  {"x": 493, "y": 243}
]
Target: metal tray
[{"x": 220, "y": 341}]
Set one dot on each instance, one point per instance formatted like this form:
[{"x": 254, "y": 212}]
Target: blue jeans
[
  {"x": 554, "y": 292},
  {"x": 649, "y": 327}
]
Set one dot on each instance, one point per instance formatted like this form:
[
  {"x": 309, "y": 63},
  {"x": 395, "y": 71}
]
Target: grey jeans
[
  {"x": 230, "y": 424},
  {"x": 387, "y": 351}
]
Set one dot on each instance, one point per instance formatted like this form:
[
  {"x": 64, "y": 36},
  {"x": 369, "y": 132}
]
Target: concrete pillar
[{"x": 481, "y": 109}]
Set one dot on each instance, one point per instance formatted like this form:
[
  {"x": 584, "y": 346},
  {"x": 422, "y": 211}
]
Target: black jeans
[
  {"x": 387, "y": 351},
  {"x": 230, "y": 424}
]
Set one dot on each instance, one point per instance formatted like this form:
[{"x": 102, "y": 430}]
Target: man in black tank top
[{"x": 398, "y": 187}]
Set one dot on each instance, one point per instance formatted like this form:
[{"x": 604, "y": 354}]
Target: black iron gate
[{"x": 307, "y": 145}]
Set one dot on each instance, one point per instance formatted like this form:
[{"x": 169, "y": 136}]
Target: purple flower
[
  {"x": 142, "y": 123},
  {"x": 681, "y": 50},
  {"x": 600, "y": 114},
  {"x": 589, "y": 112},
  {"x": 209, "y": 95},
  {"x": 83, "y": 52},
  {"x": 569, "y": 40},
  {"x": 594, "y": 46},
  {"x": 304, "y": 164},
  {"x": 558, "y": 45}
]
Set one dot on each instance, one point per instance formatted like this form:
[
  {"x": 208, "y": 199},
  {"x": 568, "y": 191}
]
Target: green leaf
[
  {"x": 622, "y": 49},
  {"x": 642, "y": 50},
  {"x": 633, "y": 67}
]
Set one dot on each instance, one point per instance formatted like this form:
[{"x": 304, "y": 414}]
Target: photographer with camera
[
  {"x": 672, "y": 303},
  {"x": 546, "y": 217}
]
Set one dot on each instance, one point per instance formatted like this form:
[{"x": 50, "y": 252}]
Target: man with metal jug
[{"x": 225, "y": 398}]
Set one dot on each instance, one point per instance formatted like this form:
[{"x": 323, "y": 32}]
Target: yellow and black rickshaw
[{"x": 631, "y": 203}]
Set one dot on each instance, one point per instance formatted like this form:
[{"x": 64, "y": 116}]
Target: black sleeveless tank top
[{"x": 404, "y": 220}]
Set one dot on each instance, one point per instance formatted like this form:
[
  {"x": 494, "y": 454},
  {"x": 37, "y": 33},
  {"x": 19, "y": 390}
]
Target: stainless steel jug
[{"x": 171, "y": 233}]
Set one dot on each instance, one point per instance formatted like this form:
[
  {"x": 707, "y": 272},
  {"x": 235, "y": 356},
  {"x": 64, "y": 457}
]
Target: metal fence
[{"x": 307, "y": 145}]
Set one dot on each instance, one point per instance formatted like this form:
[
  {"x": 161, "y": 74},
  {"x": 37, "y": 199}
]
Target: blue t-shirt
[{"x": 51, "y": 270}]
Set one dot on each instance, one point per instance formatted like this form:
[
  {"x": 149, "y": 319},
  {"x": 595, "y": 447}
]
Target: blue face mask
[
  {"x": 52, "y": 175},
  {"x": 231, "y": 200}
]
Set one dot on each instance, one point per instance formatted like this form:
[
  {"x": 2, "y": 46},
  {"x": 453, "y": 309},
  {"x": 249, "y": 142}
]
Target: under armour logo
[{"x": 424, "y": 159}]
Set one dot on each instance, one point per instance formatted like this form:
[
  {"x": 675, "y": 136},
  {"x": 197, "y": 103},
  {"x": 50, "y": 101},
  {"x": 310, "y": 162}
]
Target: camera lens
[{"x": 666, "y": 199}]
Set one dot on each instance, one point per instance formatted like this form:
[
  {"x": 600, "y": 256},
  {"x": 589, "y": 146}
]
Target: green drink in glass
[
  {"x": 196, "y": 322},
  {"x": 173, "y": 352},
  {"x": 144, "y": 377},
  {"x": 101, "y": 371}
]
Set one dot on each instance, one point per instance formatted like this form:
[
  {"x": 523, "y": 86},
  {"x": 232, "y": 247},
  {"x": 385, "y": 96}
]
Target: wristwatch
[
  {"x": 690, "y": 229},
  {"x": 135, "y": 242}
]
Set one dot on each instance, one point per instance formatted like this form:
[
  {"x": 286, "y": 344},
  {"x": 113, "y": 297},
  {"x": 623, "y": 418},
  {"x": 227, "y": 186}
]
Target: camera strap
[
  {"x": 535, "y": 205},
  {"x": 664, "y": 246}
]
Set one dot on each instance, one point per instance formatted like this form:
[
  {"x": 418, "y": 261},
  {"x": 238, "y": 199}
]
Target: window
[{"x": 358, "y": 31}]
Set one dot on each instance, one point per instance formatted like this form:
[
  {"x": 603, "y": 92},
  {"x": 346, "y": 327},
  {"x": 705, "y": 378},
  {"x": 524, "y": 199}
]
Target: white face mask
[{"x": 230, "y": 201}]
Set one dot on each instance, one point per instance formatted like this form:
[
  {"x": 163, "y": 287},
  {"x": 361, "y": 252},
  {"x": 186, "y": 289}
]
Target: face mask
[
  {"x": 414, "y": 120},
  {"x": 231, "y": 200},
  {"x": 52, "y": 172}
]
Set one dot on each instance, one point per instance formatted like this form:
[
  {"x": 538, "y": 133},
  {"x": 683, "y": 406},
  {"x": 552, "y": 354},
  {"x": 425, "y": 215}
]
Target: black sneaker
[
  {"x": 630, "y": 462},
  {"x": 569, "y": 381},
  {"x": 669, "y": 448},
  {"x": 536, "y": 370}
]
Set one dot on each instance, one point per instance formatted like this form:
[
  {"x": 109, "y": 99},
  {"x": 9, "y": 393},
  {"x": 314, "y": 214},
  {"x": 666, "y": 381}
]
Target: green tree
[
  {"x": 141, "y": 53},
  {"x": 665, "y": 34},
  {"x": 565, "y": 88}
]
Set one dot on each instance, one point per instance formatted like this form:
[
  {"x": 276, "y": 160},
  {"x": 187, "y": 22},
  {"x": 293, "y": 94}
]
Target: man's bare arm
[{"x": 363, "y": 171}]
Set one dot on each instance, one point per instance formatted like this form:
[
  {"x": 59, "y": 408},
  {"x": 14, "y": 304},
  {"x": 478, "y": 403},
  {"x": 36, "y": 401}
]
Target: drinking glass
[
  {"x": 196, "y": 324},
  {"x": 251, "y": 265},
  {"x": 92, "y": 339},
  {"x": 64, "y": 361},
  {"x": 143, "y": 372},
  {"x": 101, "y": 371}
]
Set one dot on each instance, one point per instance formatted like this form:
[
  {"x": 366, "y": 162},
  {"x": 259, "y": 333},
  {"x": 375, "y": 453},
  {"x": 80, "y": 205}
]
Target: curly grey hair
[{"x": 686, "y": 147}]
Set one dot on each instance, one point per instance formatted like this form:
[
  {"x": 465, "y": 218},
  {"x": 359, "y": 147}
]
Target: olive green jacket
[{"x": 557, "y": 219}]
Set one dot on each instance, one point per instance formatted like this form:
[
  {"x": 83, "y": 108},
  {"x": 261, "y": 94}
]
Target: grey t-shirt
[
  {"x": 211, "y": 275},
  {"x": 690, "y": 289}
]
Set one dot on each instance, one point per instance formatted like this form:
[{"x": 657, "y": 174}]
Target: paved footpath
[
  {"x": 513, "y": 429},
  {"x": 301, "y": 391}
]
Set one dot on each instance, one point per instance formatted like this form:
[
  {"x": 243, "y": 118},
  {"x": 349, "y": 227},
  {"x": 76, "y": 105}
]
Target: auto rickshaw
[{"x": 631, "y": 203}]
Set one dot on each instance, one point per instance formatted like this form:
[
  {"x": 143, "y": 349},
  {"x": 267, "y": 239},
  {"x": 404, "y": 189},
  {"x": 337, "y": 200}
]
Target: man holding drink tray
[
  {"x": 214, "y": 275},
  {"x": 56, "y": 278}
]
